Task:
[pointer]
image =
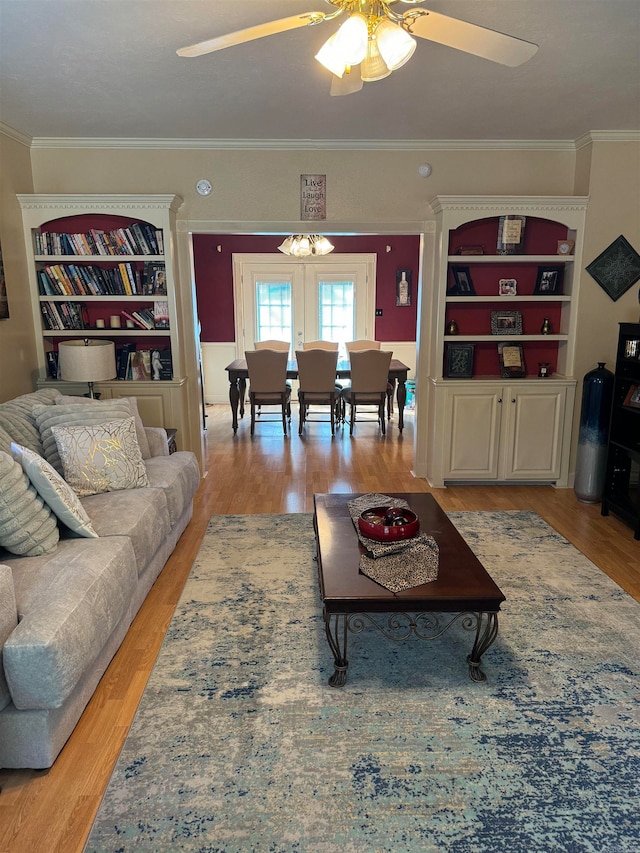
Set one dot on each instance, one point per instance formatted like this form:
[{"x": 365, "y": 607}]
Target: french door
[{"x": 328, "y": 298}]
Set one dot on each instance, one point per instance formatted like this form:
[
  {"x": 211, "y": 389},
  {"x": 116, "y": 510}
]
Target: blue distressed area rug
[{"x": 240, "y": 745}]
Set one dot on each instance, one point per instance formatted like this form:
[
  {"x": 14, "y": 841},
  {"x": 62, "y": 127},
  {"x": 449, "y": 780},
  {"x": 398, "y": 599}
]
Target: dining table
[{"x": 238, "y": 373}]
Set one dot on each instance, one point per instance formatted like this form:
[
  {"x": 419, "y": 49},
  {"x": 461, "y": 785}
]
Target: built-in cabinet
[
  {"x": 489, "y": 419},
  {"x": 96, "y": 264}
]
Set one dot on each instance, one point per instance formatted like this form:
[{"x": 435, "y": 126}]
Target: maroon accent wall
[{"x": 214, "y": 279}]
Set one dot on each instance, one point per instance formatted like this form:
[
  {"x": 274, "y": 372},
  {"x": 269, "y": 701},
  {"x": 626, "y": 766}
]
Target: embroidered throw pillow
[
  {"x": 54, "y": 491},
  {"x": 101, "y": 457},
  {"x": 27, "y": 526}
]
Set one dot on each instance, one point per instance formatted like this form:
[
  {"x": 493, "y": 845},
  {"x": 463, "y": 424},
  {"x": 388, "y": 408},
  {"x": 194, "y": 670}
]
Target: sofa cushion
[
  {"x": 54, "y": 491},
  {"x": 8, "y": 621},
  {"x": 139, "y": 514},
  {"x": 178, "y": 476},
  {"x": 72, "y": 414},
  {"x": 27, "y": 526},
  {"x": 68, "y": 605},
  {"x": 17, "y": 419},
  {"x": 143, "y": 441},
  {"x": 101, "y": 458}
]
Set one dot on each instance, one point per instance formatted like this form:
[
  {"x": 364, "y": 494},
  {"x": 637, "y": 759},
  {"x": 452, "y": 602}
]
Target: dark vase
[{"x": 591, "y": 462}]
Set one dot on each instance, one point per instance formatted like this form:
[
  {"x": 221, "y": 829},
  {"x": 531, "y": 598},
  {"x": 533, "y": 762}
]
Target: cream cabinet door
[
  {"x": 472, "y": 432},
  {"x": 532, "y": 432}
]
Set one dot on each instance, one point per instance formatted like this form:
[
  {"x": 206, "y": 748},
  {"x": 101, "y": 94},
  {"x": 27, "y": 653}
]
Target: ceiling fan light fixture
[
  {"x": 322, "y": 246},
  {"x": 396, "y": 46},
  {"x": 331, "y": 56},
  {"x": 373, "y": 66},
  {"x": 353, "y": 37},
  {"x": 285, "y": 246}
]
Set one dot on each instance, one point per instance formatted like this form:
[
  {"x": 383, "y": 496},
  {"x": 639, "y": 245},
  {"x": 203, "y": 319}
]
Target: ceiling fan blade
[
  {"x": 480, "y": 41},
  {"x": 350, "y": 82},
  {"x": 251, "y": 33}
]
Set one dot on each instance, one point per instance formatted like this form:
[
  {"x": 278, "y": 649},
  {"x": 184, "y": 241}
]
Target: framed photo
[
  {"x": 459, "y": 361},
  {"x": 506, "y": 323},
  {"x": 463, "y": 284},
  {"x": 511, "y": 235},
  {"x": 548, "y": 281},
  {"x": 507, "y": 287},
  {"x": 403, "y": 288},
  {"x": 511, "y": 360},
  {"x": 633, "y": 397}
]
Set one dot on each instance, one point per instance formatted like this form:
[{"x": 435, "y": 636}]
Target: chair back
[
  {"x": 317, "y": 370},
  {"x": 332, "y": 346},
  {"x": 369, "y": 371},
  {"x": 363, "y": 343},
  {"x": 278, "y": 346},
  {"x": 267, "y": 370}
]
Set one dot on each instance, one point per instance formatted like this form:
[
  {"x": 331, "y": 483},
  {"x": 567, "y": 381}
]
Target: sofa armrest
[
  {"x": 8, "y": 621},
  {"x": 157, "y": 437}
]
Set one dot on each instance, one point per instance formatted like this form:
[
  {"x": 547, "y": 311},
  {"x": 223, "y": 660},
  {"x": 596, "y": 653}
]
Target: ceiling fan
[{"x": 375, "y": 39}]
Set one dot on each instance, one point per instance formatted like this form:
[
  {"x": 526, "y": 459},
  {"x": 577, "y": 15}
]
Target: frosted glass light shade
[
  {"x": 395, "y": 45},
  {"x": 373, "y": 66},
  {"x": 330, "y": 55},
  {"x": 352, "y": 37}
]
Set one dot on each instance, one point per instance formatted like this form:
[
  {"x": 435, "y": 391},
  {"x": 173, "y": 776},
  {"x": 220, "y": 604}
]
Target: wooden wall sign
[{"x": 313, "y": 197}]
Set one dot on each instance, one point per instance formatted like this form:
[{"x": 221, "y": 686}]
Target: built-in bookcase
[
  {"x": 102, "y": 266},
  {"x": 503, "y": 311}
]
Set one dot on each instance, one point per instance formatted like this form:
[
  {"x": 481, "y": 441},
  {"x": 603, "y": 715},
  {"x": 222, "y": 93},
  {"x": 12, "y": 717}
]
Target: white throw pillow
[
  {"x": 27, "y": 526},
  {"x": 58, "y": 495},
  {"x": 101, "y": 457}
]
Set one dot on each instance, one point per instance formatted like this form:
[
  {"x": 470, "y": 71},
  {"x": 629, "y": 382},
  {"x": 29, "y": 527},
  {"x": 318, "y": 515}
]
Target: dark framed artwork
[
  {"x": 463, "y": 286},
  {"x": 403, "y": 288},
  {"x": 617, "y": 268},
  {"x": 511, "y": 235},
  {"x": 459, "y": 361},
  {"x": 511, "y": 360},
  {"x": 4, "y": 303},
  {"x": 548, "y": 281},
  {"x": 506, "y": 323}
]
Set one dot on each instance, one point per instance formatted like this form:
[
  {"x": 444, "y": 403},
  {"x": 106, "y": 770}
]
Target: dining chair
[
  {"x": 267, "y": 383},
  {"x": 332, "y": 346},
  {"x": 369, "y": 380},
  {"x": 362, "y": 344},
  {"x": 278, "y": 346},
  {"x": 317, "y": 378}
]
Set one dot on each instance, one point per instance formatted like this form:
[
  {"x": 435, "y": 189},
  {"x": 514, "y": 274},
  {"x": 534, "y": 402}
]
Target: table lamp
[{"x": 87, "y": 361}]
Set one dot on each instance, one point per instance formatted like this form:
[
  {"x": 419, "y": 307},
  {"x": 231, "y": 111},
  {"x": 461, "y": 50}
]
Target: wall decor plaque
[
  {"x": 617, "y": 268},
  {"x": 313, "y": 197}
]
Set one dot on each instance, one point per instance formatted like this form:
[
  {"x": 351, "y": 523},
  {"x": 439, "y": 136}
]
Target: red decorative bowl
[{"x": 388, "y": 523}]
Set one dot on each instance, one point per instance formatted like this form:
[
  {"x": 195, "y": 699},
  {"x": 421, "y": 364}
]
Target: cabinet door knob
[
  {"x": 513, "y": 399},
  {"x": 499, "y": 399}
]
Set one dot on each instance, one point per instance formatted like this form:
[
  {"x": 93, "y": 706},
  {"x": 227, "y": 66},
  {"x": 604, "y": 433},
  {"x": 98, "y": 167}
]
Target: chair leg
[
  {"x": 353, "y": 417},
  {"x": 381, "y": 416},
  {"x": 302, "y": 414},
  {"x": 253, "y": 417}
]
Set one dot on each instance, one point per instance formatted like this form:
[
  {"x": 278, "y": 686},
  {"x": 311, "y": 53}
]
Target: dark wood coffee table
[{"x": 351, "y": 599}]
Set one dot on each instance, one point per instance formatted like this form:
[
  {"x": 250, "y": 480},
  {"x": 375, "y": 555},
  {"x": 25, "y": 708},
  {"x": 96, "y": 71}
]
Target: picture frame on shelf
[
  {"x": 506, "y": 323},
  {"x": 511, "y": 234},
  {"x": 459, "y": 361},
  {"x": 632, "y": 400},
  {"x": 511, "y": 357},
  {"x": 463, "y": 285},
  {"x": 507, "y": 287},
  {"x": 565, "y": 247},
  {"x": 548, "y": 281}
]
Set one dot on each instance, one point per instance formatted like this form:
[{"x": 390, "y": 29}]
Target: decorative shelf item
[{"x": 617, "y": 268}]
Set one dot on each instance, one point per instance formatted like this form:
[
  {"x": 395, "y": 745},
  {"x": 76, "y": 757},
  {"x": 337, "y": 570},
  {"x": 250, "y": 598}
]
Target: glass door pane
[{"x": 273, "y": 311}]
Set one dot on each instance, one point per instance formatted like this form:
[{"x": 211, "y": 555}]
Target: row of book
[
  {"x": 137, "y": 239},
  {"x": 143, "y": 364},
  {"x": 132, "y": 364},
  {"x": 64, "y": 316},
  {"x": 125, "y": 279}
]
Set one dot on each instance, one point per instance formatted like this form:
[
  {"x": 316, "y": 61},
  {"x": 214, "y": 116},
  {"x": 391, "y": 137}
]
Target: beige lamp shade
[{"x": 87, "y": 361}]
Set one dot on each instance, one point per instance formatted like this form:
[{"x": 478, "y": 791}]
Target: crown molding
[
  {"x": 310, "y": 144},
  {"x": 607, "y": 136},
  {"x": 208, "y": 226},
  {"x": 16, "y": 135}
]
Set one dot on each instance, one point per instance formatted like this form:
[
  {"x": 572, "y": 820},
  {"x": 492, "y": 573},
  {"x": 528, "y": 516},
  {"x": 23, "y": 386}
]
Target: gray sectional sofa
[{"x": 64, "y": 613}]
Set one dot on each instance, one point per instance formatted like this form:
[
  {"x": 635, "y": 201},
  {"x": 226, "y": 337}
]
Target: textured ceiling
[{"x": 108, "y": 69}]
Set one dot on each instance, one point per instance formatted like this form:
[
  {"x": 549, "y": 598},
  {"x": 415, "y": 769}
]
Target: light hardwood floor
[{"x": 52, "y": 810}]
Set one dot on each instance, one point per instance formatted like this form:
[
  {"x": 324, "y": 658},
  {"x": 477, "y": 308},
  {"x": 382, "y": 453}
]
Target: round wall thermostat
[
  {"x": 424, "y": 170},
  {"x": 203, "y": 187}
]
